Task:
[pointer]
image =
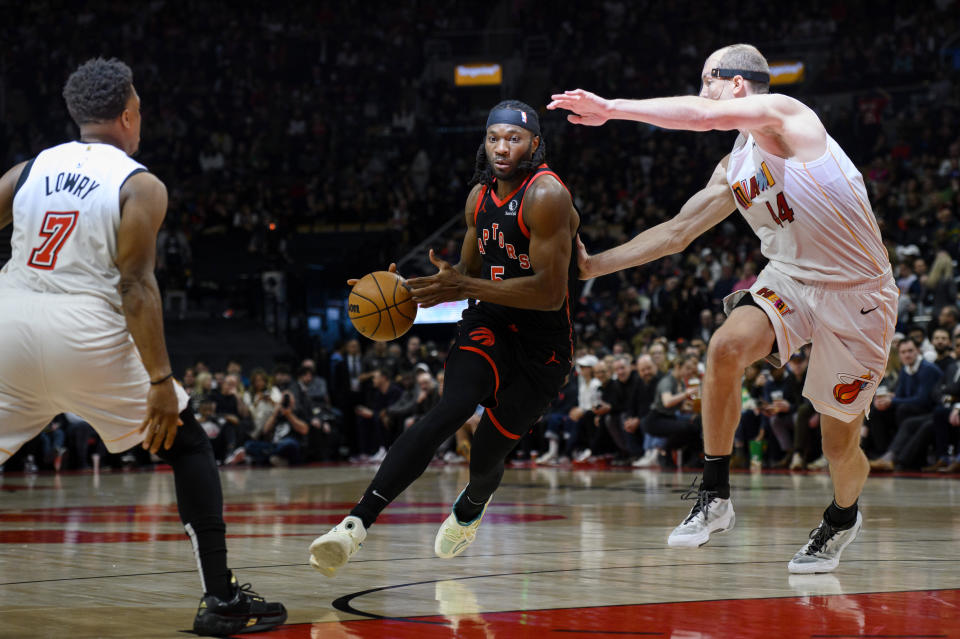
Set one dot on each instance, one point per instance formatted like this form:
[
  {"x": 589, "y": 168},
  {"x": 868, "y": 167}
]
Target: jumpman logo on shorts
[{"x": 553, "y": 358}]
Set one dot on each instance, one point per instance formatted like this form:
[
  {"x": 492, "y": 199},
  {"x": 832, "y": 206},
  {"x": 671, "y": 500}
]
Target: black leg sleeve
[
  {"x": 468, "y": 381},
  {"x": 200, "y": 502},
  {"x": 490, "y": 449}
]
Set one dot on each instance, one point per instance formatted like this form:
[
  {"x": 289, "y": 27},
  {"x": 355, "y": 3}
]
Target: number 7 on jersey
[{"x": 56, "y": 228}]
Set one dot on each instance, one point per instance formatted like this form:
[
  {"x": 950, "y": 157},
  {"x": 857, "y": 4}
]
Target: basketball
[{"x": 380, "y": 307}]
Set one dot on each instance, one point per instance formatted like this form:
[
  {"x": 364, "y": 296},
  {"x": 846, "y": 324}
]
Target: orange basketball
[{"x": 380, "y": 307}]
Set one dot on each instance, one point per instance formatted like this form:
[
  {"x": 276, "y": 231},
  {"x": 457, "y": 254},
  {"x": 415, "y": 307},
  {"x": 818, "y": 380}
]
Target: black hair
[
  {"x": 482, "y": 173},
  {"x": 98, "y": 90}
]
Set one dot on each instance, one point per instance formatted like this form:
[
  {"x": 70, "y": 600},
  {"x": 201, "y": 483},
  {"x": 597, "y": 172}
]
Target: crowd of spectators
[
  {"x": 631, "y": 405},
  {"x": 292, "y": 120}
]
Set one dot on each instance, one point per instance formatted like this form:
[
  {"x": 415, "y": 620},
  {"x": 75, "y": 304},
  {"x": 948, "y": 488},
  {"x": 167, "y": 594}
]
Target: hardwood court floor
[{"x": 560, "y": 554}]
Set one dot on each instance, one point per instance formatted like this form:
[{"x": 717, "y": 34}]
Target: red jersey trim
[
  {"x": 535, "y": 176},
  {"x": 493, "y": 365},
  {"x": 476, "y": 209},
  {"x": 503, "y": 431},
  {"x": 498, "y": 201}
]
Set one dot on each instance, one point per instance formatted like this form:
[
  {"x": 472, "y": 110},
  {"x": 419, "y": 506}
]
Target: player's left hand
[
  {"x": 588, "y": 108},
  {"x": 583, "y": 260},
  {"x": 163, "y": 418},
  {"x": 444, "y": 286}
]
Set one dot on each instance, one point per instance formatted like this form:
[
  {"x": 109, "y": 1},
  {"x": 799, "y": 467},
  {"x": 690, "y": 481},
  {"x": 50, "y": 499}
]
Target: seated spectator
[
  {"x": 202, "y": 390},
  {"x": 912, "y": 397},
  {"x": 946, "y": 419},
  {"x": 672, "y": 413},
  {"x": 316, "y": 388},
  {"x": 213, "y": 426},
  {"x": 560, "y": 428},
  {"x": 806, "y": 421},
  {"x": 639, "y": 403},
  {"x": 626, "y": 380},
  {"x": 942, "y": 344},
  {"x": 401, "y": 410},
  {"x": 282, "y": 382},
  {"x": 233, "y": 412},
  {"x": 258, "y": 401},
  {"x": 752, "y": 421},
  {"x": 919, "y": 337},
  {"x": 372, "y": 418},
  {"x": 908, "y": 450},
  {"x": 658, "y": 353},
  {"x": 781, "y": 396},
  {"x": 282, "y": 440},
  {"x": 412, "y": 356},
  {"x": 428, "y": 395},
  {"x": 588, "y": 397},
  {"x": 606, "y": 406}
]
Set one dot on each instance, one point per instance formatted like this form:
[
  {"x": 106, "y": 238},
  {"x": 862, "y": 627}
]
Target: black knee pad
[{"x": 190, "y": 439}]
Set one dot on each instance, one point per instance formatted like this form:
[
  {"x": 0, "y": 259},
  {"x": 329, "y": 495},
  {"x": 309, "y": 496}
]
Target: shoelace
[
  {"x": 819, "y": 537},
  {"x": 703, "y": 497},
  {"x": 246, "y": 589}
]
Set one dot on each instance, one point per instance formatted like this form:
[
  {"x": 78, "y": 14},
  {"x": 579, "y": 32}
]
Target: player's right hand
[
  {"x": 353, "y": 280},
  {"x": 163, "y": 417},
  {"x": 588, "y": 108}
]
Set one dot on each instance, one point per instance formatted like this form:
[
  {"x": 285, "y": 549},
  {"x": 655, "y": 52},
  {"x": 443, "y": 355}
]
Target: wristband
[{"x": 161, "y": 380}]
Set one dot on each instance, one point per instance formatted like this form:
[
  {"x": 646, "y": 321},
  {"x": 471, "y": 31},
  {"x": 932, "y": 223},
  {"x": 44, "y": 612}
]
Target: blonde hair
[
  {"x": 941, "y": 269},
  {"x": 200, "y": 380}
]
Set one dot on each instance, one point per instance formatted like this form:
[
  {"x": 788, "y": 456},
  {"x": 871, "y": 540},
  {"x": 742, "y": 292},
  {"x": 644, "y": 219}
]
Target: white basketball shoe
[
  {"x": 454, "y": 536},
  {"x": 710, "y": 514},
  {"x": 331, "y": 551},
  {"x": 822, "y": 552}
]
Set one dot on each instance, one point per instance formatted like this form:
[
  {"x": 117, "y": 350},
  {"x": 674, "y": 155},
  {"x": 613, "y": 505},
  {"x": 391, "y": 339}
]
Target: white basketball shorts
[
  {"x": 850, "y": 327},
  {"x": 69, "y": 353}
]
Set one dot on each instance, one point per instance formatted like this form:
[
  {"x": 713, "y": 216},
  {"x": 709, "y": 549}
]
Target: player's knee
[
  {"x": 729, "y": 351},
  {"x": 837, "y": 449}
]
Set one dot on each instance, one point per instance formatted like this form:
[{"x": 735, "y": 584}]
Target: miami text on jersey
[{"x": 745, "y": 191}]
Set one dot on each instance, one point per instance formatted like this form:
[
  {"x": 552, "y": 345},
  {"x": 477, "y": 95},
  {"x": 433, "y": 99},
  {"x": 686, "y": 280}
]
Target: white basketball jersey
[
  {"x": 66, "y": 213},
  {"x": 813, "y": 219}
]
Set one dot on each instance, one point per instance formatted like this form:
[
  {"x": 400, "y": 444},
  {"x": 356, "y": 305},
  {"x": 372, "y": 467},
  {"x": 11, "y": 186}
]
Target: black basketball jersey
[{"x": 504, "y": 244}]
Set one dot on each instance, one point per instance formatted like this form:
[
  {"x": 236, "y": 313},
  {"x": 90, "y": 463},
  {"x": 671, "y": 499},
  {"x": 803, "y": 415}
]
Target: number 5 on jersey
[
  {"x": 496, "y": 272},
  {"x": 56, "y": 228}
]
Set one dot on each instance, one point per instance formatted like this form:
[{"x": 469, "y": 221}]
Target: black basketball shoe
[{"x": 245, "y": 612}]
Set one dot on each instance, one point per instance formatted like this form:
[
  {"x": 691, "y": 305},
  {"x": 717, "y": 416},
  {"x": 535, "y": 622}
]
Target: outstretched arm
[
  {"x": 780, "y": 124},
  {"x": 685, "y": 112},
  {"x": 551, "y": 220},
  {"x": 701, "y": 212}
]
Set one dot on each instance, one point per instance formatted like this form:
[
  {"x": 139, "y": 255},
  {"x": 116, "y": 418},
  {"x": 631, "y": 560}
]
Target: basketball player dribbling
[
  {"x": 514, "y": 344},
  {"x": 81, "y": 328},
  {"x": 828, "y": 281}
]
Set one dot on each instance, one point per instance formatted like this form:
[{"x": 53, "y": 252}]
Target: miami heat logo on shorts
[
  {"x": 483, "y": 335},
  {"x": 850, "y": 386}
]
